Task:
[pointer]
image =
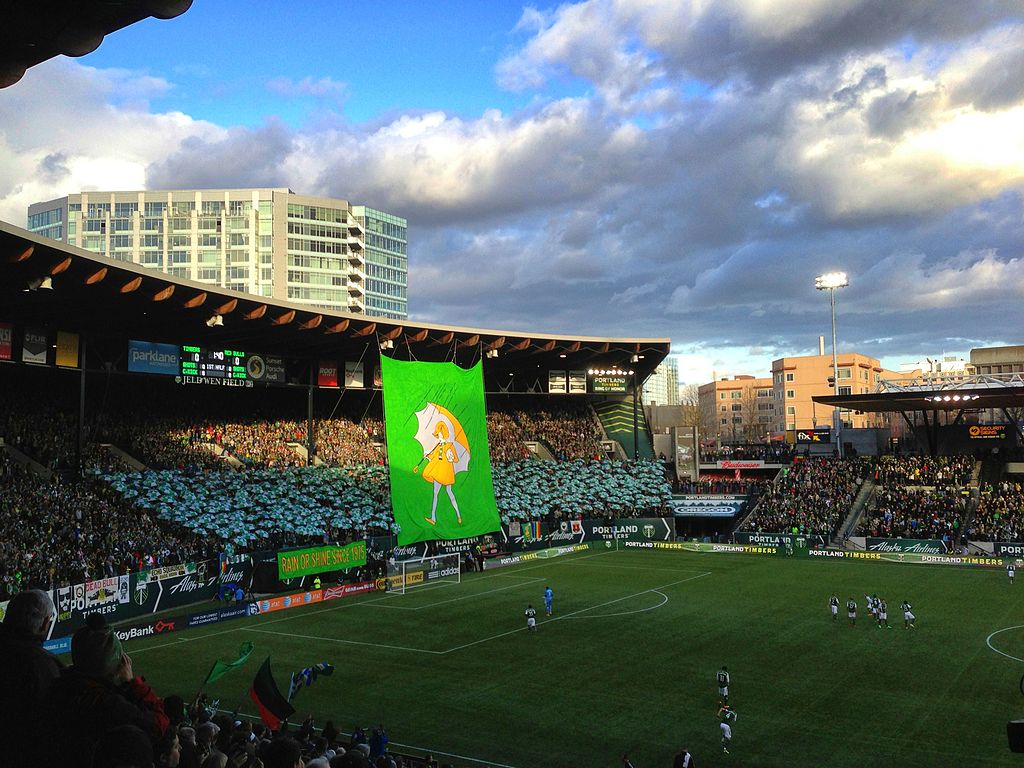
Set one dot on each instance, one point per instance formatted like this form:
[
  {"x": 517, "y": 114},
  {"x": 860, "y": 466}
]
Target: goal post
[{"x": 418, "y": 572}]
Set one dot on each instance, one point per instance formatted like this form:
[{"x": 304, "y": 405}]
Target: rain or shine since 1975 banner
[{"x": 440, "y": 463}]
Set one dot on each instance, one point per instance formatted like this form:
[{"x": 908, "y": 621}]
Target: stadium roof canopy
[
  {"x": 965, "y": 393},
  {"x": 110, "y": 301},
  {"x": 32, "y": 31},
  {"x": 926, "y": 395}
]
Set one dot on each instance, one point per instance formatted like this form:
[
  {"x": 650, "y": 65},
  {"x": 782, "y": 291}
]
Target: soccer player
[
  {"x": 723, "y": 683},
  {"x": 531, "y": 618},
  {"x": 883, "y": 613},
  {"x": 549, "y": 598},
  {"x": 833, "y": 603},
  {"x": 851, "y": 611},
  {"x": 908, "y": 617},
  {"x": 1010, "y": 569},
  {"x": 728, "y": 716}
]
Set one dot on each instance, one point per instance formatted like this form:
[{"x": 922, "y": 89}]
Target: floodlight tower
[{"x": 829, "y": 282}]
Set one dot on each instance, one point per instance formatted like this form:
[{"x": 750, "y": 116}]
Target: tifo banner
[
  {"x": 305, "y": 562},
  {"x": 439, "y": 460},
  {"x": 707, "y": 505},
  {"x": 915, "y": 546}
]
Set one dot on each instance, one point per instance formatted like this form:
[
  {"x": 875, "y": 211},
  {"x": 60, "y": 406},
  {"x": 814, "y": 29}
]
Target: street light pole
[{"x": 829, "y": 282}]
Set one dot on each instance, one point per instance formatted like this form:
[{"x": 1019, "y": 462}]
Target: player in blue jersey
[{"x": 549, "y": 599}]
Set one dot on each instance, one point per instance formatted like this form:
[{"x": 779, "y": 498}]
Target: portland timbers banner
[{"x": 440, "y": 464}]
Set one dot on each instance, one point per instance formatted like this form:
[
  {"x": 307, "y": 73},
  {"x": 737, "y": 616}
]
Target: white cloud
[{"x": 308, "y": 86}]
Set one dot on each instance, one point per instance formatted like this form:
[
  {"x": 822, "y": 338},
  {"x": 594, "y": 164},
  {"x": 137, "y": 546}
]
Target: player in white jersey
[
  {"x": 833, "y": 604},
  {"x": 883, "y": 613},
  {"x": 531, "y": 618},
  {"x": 723, "y": 683},
  {"x": 851, "y": 611},
  {"x": 908, "y": 617},
  {"x": 1010, "y": 569}
]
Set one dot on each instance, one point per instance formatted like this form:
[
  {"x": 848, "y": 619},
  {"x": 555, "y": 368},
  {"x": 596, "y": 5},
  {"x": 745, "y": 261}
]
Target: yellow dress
[{"x": 440, "y": 465}]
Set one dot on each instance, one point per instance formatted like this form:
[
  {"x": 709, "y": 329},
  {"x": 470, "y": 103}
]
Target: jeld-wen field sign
[{"x": 306, "y": 562}]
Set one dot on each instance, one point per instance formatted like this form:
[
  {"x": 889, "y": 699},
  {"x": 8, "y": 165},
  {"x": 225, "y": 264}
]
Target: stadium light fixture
[
  {"x": 37, "y": 284},
  {"x": 215, "y": 321},
  {"x": 829, "y": 282}
]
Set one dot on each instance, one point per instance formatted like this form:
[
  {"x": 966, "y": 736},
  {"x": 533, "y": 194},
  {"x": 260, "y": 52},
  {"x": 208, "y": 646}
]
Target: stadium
[{"x": 240, "y": 530}]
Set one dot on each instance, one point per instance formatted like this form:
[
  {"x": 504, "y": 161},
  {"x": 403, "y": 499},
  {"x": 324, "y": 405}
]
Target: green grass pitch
[{"x": 627, "y": 663}]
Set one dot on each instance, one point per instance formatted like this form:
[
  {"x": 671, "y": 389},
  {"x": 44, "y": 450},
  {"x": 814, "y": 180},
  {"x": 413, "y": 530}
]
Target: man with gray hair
[{"x": 27, "y": 670}]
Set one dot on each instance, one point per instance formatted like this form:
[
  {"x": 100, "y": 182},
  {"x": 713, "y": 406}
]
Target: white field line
[
  {"x": 628, "y": 613},
  {"x": 346, "y": 642},
  {"x": 455, "y": 599},
  {"x": 581, "y": 610},
  {"x": 424, "y": 750},
  {"x": 988, "y": 641}
]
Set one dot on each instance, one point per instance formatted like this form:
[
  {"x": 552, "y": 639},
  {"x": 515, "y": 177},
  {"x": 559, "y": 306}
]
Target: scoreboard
[{"x": 213, "y": 363}]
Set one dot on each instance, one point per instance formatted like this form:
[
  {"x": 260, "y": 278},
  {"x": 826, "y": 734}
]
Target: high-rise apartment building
[
  {"x": 662, "y": 386},
  {"x": 269, "y": 242}
]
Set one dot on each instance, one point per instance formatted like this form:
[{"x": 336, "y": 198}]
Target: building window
[
  {"x": 721, "y": 395},
  {"x": 737, "y": 406},
  {"x": 789, "y": 377},
  {"x": 791, "y": 410},
  {"x": 844, "y": 373},
  {"x": 845, "y": 391},
  {"x": 790, "y": 393},
  {"x": 736, "y": 395}
]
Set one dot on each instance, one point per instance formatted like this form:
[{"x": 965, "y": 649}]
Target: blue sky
[{"x": 658, "y": 168}]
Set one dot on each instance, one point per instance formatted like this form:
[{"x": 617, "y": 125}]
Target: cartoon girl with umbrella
[{"x": 443, "y": 457}]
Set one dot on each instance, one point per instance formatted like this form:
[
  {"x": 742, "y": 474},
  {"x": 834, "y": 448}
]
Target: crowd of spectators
[
  {"x": 1000, "y": 512},
  {"x": 552, "y": 491},
  {"x": 930, "y": 471},
  {"x": 264, "y": 508},
  {"x": 505, "y": 438},
  {"x": 572, "y": 432},
  {"x": 812, "y": 499},
  {"x": 919, "y": 497},
  {"x": 55, "y": 533},
  {"x": 901, "y": 512},
  {"x": 775, "y": 453},
  {"x": 109, "y": 716},
  {"x": 40, "y": 432},
  {"x": 712, "y": 484}
]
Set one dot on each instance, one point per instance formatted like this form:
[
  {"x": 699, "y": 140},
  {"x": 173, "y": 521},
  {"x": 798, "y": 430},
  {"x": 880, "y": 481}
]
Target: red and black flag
[{"x": 273, "y": 707}]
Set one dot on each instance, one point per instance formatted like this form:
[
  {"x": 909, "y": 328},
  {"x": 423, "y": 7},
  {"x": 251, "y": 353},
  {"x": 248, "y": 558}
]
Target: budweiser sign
[{"x": 740, "y": 464}]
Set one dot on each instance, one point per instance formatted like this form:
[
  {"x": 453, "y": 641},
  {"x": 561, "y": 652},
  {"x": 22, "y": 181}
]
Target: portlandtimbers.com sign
[{"x": 907, "y": 546}]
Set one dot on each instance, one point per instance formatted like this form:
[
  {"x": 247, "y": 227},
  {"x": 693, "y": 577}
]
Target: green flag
[
  {"x": 221, "y": 668},
  {"x": 439, "y": 462}
]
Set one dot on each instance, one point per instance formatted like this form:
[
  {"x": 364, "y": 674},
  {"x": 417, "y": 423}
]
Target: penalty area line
[{"x": 574, "y": 613}]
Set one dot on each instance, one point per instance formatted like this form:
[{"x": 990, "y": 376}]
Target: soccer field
[{"x": 627, "y": 663}]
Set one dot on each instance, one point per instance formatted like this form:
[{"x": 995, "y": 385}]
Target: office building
[
  {"x": 737, "y": 410},
  {"x": 269, "y": 242}
]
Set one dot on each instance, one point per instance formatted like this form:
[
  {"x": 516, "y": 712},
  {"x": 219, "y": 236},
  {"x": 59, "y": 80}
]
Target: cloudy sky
[{"x": 608, "y": 167}]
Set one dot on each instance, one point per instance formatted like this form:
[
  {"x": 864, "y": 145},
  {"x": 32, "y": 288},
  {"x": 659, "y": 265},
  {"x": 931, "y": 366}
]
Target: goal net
[{"x": 409, "y": 574}]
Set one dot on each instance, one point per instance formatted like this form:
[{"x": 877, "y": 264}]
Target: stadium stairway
[
  {"x": 617, "y": 420},
  {"x": 26, "y": 462},
  {"x": 860, "y": 503},
  {"x": 124, "y": 456},
  {"x": 303, "y": 452}
]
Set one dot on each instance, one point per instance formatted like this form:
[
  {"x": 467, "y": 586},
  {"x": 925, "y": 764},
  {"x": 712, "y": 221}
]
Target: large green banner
[
  {"x": 439, "y": 461},
  {"x": 306, "y": 562}
]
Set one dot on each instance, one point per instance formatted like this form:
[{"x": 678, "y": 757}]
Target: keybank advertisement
[{"x": 150, "y": 357}]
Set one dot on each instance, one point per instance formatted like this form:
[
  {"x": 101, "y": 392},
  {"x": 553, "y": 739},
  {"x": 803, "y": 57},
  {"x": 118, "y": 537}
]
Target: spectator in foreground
[
  {"x": 27, "y": 671},
  {"x": 98, "y": 693}
]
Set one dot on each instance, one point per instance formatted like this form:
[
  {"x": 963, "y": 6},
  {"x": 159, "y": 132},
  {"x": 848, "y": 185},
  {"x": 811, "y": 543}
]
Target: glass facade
[{"x": 328, "y": 253}]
